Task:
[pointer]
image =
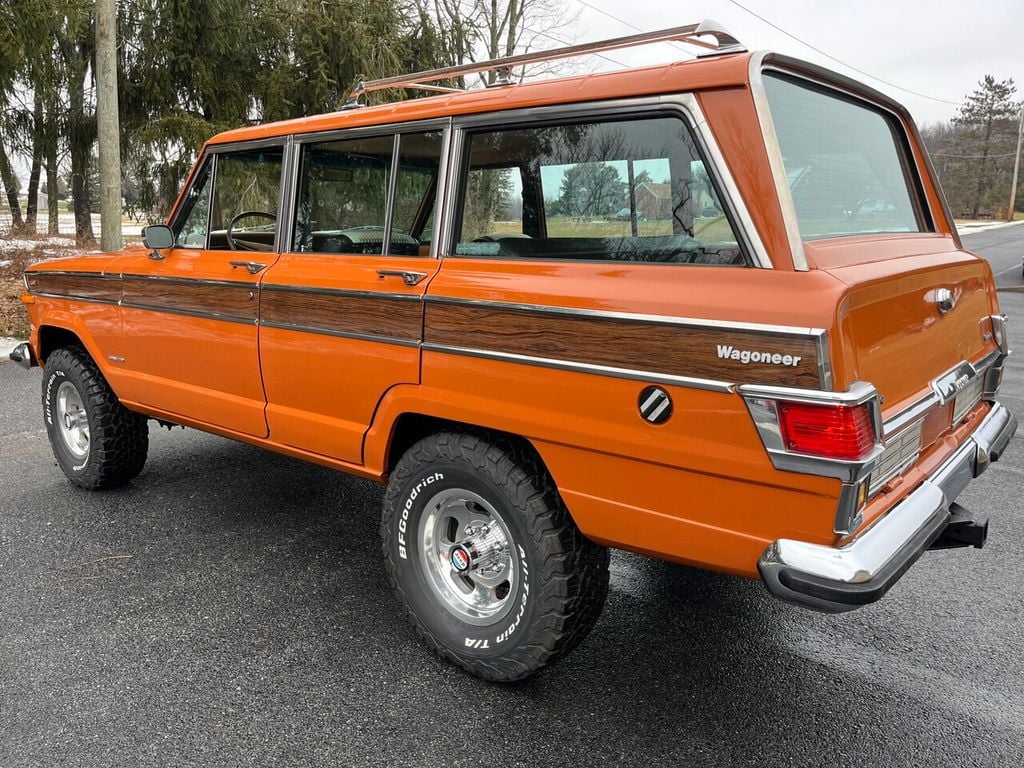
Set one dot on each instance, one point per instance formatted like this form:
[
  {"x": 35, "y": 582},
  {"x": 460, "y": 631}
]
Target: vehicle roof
[{"x": 721, "y": 71}]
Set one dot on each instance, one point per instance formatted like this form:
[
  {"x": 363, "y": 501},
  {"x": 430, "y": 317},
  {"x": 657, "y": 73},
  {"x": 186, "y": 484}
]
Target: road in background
[
  {"x": 230, "y": 607},
  {"x": 1003, "y": 247}
]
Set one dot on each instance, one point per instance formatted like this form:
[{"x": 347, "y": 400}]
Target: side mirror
[{"x": 158, "y": 238}]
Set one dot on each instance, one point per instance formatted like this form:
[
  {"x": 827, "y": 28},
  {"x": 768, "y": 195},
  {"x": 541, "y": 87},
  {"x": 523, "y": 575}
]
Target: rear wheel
[
  {"x": 97, "y": 442},
  {"x": 484, "y": 556}
]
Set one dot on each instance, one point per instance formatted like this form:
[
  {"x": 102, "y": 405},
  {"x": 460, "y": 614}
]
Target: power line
[
  {"x": 840, "y": 61},
  {"x": 613, "y": 17},
  {"x": 562, "y": 41}
]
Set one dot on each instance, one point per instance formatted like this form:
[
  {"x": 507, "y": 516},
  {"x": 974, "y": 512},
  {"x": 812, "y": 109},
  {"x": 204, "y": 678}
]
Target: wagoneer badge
[{"x": 745, "y": 356}]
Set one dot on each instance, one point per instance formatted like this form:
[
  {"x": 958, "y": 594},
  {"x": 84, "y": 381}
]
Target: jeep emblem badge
[
  {"x": 460, "y": 559},
  {"x": 655, "y": 405}
]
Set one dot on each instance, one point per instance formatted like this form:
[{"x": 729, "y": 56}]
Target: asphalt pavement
[{"x": 230, "y": 607}]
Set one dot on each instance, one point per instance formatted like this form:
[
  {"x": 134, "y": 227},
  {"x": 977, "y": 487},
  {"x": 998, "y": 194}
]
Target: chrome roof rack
[{"x": 427, "y": 81}]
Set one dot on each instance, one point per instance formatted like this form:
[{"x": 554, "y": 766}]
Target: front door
[
  {"x": 342, "y": 314},
  {"x": 190, "y": 318}
]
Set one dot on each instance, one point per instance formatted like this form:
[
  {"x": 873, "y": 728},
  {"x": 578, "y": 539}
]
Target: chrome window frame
[
  {"x": 682, "y": 105},
  {"x": 212, "y": 154},
  {"x": 396, "y": 130},
  {"x": 765, "y": 61}
]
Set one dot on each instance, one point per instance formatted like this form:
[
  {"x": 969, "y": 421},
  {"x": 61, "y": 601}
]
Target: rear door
[
  {"x": 190, "y": 317},
  {"x": 341, "y": 312}
]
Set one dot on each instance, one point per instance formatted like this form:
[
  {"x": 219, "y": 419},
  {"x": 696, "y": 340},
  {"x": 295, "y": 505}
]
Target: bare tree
[{"x": 492, "y": 29}]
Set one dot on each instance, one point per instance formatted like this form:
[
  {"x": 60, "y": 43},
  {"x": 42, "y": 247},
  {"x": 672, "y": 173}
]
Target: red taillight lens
[{"x": 832, "y": 431}]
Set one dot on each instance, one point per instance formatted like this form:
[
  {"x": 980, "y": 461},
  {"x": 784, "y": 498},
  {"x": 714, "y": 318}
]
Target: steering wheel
[{"x": 248, "y": 245}]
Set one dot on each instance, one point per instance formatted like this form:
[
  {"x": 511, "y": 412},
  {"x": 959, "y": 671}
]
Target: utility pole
[
  {"x": 1016, "y": 165},
  {"x": 108, "y": 125}
]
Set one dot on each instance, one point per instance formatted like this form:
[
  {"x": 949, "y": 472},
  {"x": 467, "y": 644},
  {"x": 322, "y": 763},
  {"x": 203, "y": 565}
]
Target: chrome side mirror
[{"x": 157, "y": 238}]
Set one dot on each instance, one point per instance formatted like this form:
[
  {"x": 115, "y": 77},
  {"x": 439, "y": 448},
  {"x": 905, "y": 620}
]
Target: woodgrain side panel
[
  {"x": 95, "y": 287},
  {"x": 222, "y": 300},
  {"x": 340, "y": 313},
  {"x": 636, "y": 345}
]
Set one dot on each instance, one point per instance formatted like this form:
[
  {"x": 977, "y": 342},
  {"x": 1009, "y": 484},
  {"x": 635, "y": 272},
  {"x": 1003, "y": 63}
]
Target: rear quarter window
[{"x": 846, "y": 162}]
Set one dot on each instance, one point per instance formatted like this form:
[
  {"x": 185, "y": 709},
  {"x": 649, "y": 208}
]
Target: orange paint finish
[
  {"x": 324, "y": 398},
  {"x": 678, "y": 77},
  {"x": 733, "y": 120},
  {"x": 320, "y": 356}
]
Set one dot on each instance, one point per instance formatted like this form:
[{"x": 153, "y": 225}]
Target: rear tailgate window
[{"x": 846, "y": 162}]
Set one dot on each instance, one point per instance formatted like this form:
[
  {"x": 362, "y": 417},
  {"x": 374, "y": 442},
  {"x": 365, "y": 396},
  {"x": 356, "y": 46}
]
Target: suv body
[{"x": 795, "y": 387}]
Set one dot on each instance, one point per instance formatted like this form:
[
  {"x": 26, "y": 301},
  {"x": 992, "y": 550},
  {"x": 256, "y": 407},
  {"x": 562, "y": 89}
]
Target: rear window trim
[
  {"x": 912, "y": 173},
  {"x": 680, "y": 106}
]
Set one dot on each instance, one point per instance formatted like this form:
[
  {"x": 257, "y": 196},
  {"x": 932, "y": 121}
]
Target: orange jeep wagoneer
[{"x": 715, "y": 312}]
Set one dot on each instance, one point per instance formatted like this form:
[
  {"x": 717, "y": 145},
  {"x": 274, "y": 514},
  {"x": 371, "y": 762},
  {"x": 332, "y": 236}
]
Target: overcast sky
[{"x": 939, "y": 48}]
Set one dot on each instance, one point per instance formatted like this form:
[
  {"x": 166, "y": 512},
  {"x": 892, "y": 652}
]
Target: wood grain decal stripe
[
  {"x": 673, "y": 350},
  {"x": 381, "y": 318},
  {"x": 223, "y": 301},
  {"x": 78, "y": 285}
]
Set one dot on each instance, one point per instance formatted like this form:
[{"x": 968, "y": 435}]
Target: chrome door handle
[
  {"x": 409, "y": 278},
  {"x": 252, "y": 267}
]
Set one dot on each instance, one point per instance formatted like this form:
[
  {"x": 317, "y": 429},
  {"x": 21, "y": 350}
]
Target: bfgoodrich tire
[
  {"x": 485, "y": 558},
  {"x": 97, "y": 442}
]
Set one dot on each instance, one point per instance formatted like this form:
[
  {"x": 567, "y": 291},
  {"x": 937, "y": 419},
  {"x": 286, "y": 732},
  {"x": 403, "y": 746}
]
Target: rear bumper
[{"x": 837, "y": 579}]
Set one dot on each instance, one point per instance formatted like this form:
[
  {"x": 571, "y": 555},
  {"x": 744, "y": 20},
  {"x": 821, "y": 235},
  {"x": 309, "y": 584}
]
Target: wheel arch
[
  {"x": 411, "y": 427},
  {"x": 54, "y": 337}
]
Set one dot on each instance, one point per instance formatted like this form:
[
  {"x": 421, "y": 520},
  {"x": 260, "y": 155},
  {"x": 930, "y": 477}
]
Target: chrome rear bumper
[{"x": 837, "y": 579}]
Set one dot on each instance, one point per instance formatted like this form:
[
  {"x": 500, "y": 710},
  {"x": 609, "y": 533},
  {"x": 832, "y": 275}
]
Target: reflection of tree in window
[
  {"x": 631, "y": 190},
  {"x": 248, "y": 181}
]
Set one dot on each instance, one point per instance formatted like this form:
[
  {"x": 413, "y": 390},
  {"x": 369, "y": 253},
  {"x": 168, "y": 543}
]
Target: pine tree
[{"x": 986, "y": 120}]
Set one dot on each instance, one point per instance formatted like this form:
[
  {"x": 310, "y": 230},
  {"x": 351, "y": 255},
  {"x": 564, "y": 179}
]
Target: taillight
[{"x": 831, "y": 431}]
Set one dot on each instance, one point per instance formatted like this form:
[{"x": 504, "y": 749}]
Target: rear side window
[
  {"x": 616, "y": 190},
  {"x": 846, "y": 162}
]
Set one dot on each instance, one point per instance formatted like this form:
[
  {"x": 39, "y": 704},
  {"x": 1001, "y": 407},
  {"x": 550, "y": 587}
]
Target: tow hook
[{"x": 964, "y": 529}]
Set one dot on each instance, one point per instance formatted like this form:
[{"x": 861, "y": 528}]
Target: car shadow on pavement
[{"x": 266, "y": 575}]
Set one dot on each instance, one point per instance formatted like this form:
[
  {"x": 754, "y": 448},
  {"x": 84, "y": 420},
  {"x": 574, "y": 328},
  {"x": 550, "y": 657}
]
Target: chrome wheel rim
[
  {"x": 72, "y": 420},
  {"x": 456, "y": 518}
]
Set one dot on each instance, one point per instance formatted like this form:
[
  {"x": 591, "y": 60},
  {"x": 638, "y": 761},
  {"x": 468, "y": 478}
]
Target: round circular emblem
[
  {"x": 655, "y": 405},
  {"x": 460, "y": 558}
]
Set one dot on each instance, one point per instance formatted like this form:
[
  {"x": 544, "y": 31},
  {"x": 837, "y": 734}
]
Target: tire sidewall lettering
[
  {"x": 483, "y": 640},
  {"x": 48, "y": 410}
]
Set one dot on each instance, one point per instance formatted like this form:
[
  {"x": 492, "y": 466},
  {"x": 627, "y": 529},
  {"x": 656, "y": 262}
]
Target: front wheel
[
  {"x": 484, "y": 556},
  {"x": 97, "y": 442}
]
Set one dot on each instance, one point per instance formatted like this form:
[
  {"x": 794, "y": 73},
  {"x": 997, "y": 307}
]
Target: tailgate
[{"x": 907, "y": 321}]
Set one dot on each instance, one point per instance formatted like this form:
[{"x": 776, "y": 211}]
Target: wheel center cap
[
  {"x": 460, "y": 558},
  {"x": 68, "y": 421}
]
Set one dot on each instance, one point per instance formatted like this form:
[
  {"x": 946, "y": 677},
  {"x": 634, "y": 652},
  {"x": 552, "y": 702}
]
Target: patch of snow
[
  {"x": 7, "y": 345},
  {"x": 5, "y": 264}
]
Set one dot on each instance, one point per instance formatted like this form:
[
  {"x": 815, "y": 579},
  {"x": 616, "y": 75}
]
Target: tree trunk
[
  {"x": 10, "y": 183},
  {"x": 32, "y": 206},
  {"x": 108, "y": 125},
  {"x": 976, "y": 208},
  {"x": 52, "y": 179},
  {"x": 80, "y": 141}
]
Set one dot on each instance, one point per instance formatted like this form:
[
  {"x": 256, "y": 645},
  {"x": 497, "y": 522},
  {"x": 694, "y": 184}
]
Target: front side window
[
  {"x": 246, "y": 198},
  {"x": 846, "y": 162},
  {"x": 193, "y": 230},
  {"x": 343, "y": 195},
  {"x": 624, "y": 190}
]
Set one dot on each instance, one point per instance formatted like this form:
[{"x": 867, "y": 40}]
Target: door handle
[
  {"x": 409, "y": 278},
  {"x": 252, "y": 267}
]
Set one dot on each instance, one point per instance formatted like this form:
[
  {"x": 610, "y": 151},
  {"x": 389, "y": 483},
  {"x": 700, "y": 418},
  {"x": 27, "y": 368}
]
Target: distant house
[{"x": 653, "y": 201}]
